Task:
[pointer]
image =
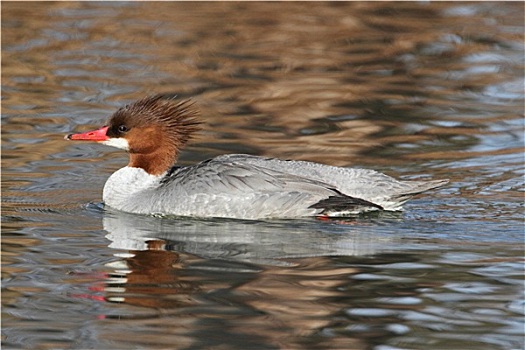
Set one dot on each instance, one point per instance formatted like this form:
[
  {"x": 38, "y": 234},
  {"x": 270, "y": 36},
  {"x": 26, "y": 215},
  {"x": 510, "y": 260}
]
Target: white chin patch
[{"x": 118, "y": 142}]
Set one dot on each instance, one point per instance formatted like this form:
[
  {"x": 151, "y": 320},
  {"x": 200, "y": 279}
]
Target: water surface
[{"x": 416, "y": 90}]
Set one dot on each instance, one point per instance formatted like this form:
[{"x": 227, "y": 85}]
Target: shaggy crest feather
[{"x": 178, "y": 118}]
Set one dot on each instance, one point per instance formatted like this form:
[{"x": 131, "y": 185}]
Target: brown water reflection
[
  {"x": 414, "y": 89},
  {"x": 326, "y": 76}
]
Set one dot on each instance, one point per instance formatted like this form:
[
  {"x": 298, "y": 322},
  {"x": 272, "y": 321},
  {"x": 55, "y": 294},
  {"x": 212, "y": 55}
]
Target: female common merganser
[{"x": 154, "y": 129}]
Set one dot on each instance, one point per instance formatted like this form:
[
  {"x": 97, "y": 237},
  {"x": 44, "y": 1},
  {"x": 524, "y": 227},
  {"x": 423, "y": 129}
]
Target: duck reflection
[
  {"x": 150, "y": 278},
  {"x": 258, "y": 242},
  {"x": 262, "y": 281}
]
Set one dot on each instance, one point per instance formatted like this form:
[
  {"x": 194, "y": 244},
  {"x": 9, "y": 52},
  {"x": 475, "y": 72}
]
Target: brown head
[{"x": 152, "y": 130}]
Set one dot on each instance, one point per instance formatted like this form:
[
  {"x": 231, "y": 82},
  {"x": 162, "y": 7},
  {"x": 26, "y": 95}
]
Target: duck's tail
[{"x": 411, "y": 189}]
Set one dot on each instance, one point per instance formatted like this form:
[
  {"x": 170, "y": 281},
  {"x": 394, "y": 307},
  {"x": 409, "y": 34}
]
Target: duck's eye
[{"x": 123, "y": 128}]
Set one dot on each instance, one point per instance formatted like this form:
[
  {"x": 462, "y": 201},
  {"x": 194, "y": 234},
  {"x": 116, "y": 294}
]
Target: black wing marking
[{"x": 341, "y": 202}]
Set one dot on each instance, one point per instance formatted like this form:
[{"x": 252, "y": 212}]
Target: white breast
[{"x": 123, "y": 187}]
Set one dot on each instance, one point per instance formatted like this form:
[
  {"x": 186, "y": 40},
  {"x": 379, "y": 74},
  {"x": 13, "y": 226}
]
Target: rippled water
[{"x": 416, "y": 90}]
